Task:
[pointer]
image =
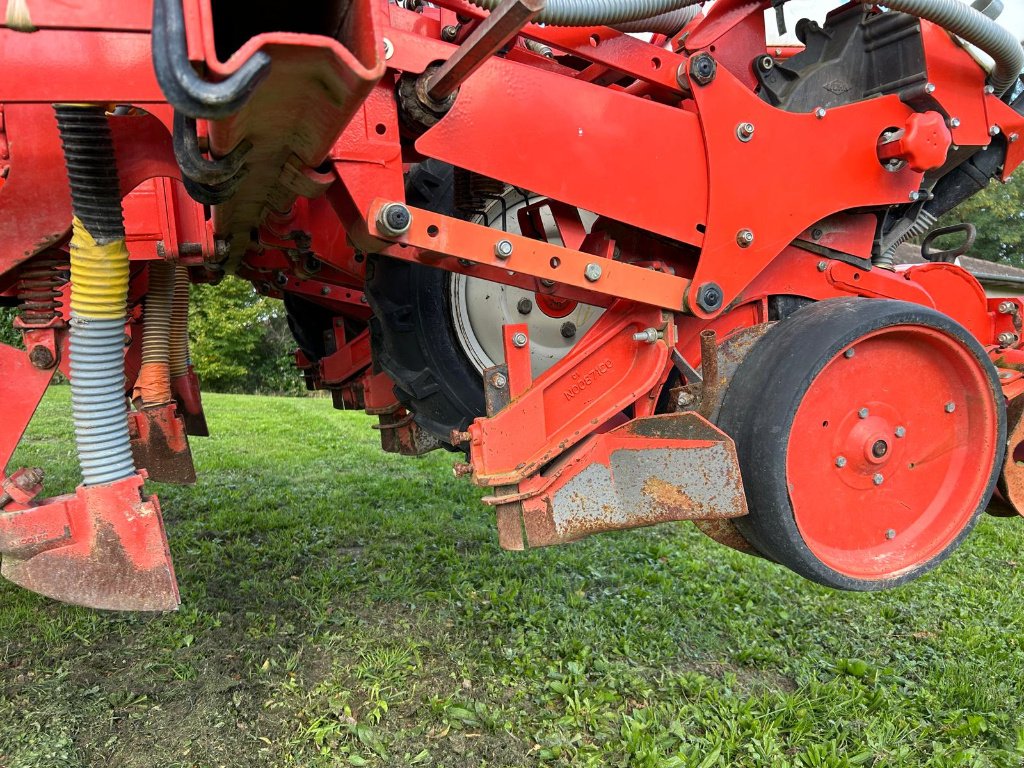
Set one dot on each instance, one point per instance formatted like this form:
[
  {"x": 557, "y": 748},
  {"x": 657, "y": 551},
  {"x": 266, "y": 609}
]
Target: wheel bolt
[
  {"x": 840, "y": 461},
  {"x": 877, "y": 479},
  {"x": 849, "y": 353},
  {"x": 863, "y": 413},
  {"x": 950, "y": 407},
  {"x": 890, "y": 534},
  {"x": 519, "y": 340},
  {"x": 901, "y": 431}
]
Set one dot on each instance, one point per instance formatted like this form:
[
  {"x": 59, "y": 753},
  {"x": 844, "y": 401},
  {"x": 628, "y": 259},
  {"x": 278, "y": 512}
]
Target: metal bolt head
[
  {"x": 1007, "y": 339},
  {"x": 394, "y": 219},
  {"x": 863, "y": 413},
  {"x": 840, "y": 461},
  {"x": 900, "y": 431},
  {"x": 503, "y": 249},
  {"x": 820, "y": 113},
  {"x": 592, "y": 272},
  {"x": 519, "y": 340},
  {"x": 41, "y": 357},
  {"x": 703, "y": 69},
  {"x": 499, "y": 380},
  {"x": 1005, "y": 375},
  {"x": 950, "y": 407},
  {"x": 954, "y": 122},
  {"x": 1014, "y": 138},
  {"x": 648, "y": 336},
  {"x": 929, "y": 88},
  {"x": 1007, "y": 308},
  {"x": 890, "y": 534},
  {"x": 449, "y": 33},
  {"x": 849, "y": 353},
  {"x": 994, "y": 130},
  {"x": 915, "y": 196},
  {"x": 745, "y": 238},
  {"x": 745, "y": 132},
  {"x": 766, "y": 63},
  {"x": 568, "y": 330},
  {"x": 709, "y": 297},
  {"x": 822, "y": 266},
  {"x": 878, "y": 479},
  {"x": 525, "y": 306}
]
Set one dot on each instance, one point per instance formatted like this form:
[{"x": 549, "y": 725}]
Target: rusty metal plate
[{"x": 652, "y": 470}]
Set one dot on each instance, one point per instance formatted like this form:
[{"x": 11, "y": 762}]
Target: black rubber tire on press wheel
[
  {"x": 761, "y": 404},
  {"x": 411, "y": 328}
]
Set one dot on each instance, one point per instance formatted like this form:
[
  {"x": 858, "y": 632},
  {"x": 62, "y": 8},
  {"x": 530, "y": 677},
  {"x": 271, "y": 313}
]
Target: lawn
[{"x": 343, "y": 607}]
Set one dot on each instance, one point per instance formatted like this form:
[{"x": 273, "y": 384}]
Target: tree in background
[
  {"x": 998, "y": 213},
  {"x": 240, "y": 340}
]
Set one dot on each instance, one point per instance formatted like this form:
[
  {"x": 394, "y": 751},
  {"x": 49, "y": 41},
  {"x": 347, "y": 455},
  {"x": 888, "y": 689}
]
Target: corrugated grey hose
[
  {"x": 664, "y": 23},
  {"x": 99, "y": 290},
  {"x": 613, "y": 13},
  {"x": 976, "y": 28}
]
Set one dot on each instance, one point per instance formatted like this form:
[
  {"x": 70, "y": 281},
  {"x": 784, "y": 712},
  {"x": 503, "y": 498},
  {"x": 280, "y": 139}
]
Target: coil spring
[
  {"x": 39, "y": 287},
  {"x": 472, "y": 191}
]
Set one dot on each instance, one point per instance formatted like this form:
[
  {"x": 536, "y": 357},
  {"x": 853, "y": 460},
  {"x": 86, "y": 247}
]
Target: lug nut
[
  {"x": 519, "y": 340},
  {"x": 822, "y": 266},
  {"x": 592, "y": 272},
  {"x": 568, "y": 330},
  {"x": 525, "y": 306},
  {"x": 877, "y": 479},
  {"x": 840, "y": 461},
  {"x": 950, "y": 407},
  {"x": 820, "y": 113},
  {"x": 849, "y": 353},
  {"x": 393, "y": 220},
  {"x": 890, "y": 534},
  {"x": 901, "y": 432},
  {"x": 863, "y": 413},
  {"x": 503, "y": 249}
]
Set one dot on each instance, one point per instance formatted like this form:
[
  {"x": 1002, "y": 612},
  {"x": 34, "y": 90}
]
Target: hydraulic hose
[
  {"x": 586, "y": 13},
  {"x": 154, "y": 383},
  {"x": 99, "y": 292},
  {"x": 664, "y": 23},
  {"x": 977, "y": 29},
  {"x": 179, "y": 324}
]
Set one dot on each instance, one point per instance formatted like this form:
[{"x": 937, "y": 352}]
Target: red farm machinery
[{"x": 632, "y": 259}]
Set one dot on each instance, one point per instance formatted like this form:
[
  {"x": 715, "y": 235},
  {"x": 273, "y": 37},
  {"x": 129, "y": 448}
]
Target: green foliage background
[
  {"x": 240, "y": 340},
  {"x": 998, "y": 213}
]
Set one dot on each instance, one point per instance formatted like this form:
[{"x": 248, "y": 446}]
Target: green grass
[{"x": 346, "y": 607}]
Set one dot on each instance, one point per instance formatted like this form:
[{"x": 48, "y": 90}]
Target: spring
[
  {"x": 903, "y": 232},
  {"x": 472, "y": 191},
  {"x": 39, "y": 287}
]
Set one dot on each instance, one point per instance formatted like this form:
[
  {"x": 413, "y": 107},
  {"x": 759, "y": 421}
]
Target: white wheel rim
[{"x": 480, "y": 307}]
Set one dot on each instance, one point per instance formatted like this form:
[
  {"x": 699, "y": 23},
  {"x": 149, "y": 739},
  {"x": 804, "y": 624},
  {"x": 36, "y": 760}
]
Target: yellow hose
[
  {"x": 153, "y": 386},
  {"x": 179, "y": 324},
  {"x": 99, "y": 276}
]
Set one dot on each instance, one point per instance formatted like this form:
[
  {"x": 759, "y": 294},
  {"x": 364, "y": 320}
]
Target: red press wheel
[{"x": 870, "y": 436}]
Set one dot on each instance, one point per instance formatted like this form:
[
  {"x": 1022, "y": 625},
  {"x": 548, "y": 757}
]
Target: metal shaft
[{"x": 503, "y": 24}]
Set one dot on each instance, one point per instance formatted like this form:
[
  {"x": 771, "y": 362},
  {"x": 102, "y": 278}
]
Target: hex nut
[{"x": 703, "y": 69}]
